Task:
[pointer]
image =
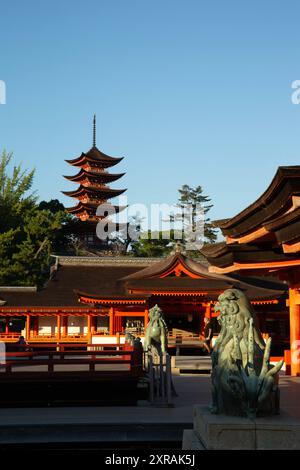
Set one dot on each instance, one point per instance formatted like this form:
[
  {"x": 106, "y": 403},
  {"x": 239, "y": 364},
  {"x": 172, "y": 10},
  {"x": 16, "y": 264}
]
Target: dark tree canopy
[
  {"x": 27, "y": 233},
  {"x": 147, "y": 246},
  {"x": 53, "y": 206}
]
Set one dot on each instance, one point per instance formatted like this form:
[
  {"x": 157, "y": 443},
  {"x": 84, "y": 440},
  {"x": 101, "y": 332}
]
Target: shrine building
[
  {"x": 95, "y": 300},
  {"x": 264, "y": 240}
]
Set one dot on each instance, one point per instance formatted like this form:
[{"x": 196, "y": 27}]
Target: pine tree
[
  {"x": 14, "y": 199},
  {"x": 193, "y": 198}
]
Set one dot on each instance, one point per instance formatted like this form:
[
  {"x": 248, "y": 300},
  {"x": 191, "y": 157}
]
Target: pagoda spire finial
[{"x": 94, "y": 131}]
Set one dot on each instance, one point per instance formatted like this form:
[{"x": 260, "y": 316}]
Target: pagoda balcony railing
[
  {"x": 89, "y": 199},
  {"x": 98, "y": 170},
  {"x": 88, "y": 183},
  {"x": 94, "y": 168}
]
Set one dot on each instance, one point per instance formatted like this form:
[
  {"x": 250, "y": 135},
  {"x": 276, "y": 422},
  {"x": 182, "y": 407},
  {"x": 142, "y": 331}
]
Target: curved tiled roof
[
  {"x": 95, "y": 155},
  {"x": 275, "y": 201},
  {"x": 168, "y": 263},
  {"x": 106, "y": 193},
  {"x": 100, "y": 176}
]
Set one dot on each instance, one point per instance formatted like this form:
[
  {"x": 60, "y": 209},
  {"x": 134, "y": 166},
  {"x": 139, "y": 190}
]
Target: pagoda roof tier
[
  {"x": 92, "y": 207},
  {"x": 281, "y": 197},
  {"x": 94, "y": 176},
  {"x": 94, "y": 155},
  {"x": 102, "y": 193}
]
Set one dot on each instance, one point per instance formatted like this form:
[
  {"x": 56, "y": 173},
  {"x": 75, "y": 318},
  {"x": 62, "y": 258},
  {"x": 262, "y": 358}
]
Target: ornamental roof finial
[
  {"x": 178, "y": 247},
  {"x": 94, "y": 131}
]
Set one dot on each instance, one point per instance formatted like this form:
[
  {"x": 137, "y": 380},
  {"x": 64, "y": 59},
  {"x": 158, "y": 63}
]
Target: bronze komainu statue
[
  {"x": 156, "y": 335},
  {"x": 244, "y": 383}
]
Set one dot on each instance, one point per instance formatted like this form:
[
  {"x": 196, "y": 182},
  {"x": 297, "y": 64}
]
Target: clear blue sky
[{"x": 190, "y": 91}]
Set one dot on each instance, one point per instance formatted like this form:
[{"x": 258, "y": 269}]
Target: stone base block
[
  {"x": 220, "y": 432},
  {"x": 278, "y": 432},
  {"x": 191, "y": 441}
]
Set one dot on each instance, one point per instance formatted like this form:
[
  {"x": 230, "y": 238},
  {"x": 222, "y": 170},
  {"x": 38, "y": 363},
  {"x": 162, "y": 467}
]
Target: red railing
[
  {"x": 9, "y": 337},
  {"x": 69, "y": 338},
  {"x": 16, "y": 362}
]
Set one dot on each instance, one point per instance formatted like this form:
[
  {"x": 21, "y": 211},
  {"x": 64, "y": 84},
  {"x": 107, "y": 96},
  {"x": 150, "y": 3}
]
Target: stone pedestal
[{"x": 220, "y": 432}]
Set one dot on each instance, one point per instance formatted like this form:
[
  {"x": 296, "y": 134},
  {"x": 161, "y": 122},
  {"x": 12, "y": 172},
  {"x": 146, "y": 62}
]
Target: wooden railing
[
  {"x": 9, "y": 337},
  {"x": 72, "y": 338},
  {"x": 68, "y": 338},
  {"x": 183, "y": 338},
  {"x": 184, "y": 341},
  {"x": 16, "y": 362},
  {"x": 62, "y": 346}
]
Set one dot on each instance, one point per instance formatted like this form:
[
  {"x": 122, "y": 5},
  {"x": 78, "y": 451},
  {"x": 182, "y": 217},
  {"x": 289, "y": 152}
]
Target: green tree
[
  {"x": 26, "y": 233},
  {"x": 194, "y": 198},
  {"x": 147, "y": 246},
  {"x": 54, "y": 206},
  {"x": 190, "y": 200},
  {"x": 14, "y": 197},
  {"x": 67, "y": 239}
]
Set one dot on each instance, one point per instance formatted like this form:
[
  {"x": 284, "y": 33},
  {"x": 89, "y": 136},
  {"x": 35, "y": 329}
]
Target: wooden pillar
[
  {"x": 65, "y": 325},
  {"x": 6, "y": 325},
  {"x": 146, "y": 318},
  {"x": 89, "y": 328},
  {"x": 36, "y": 326},
  {"x": 27, "y": 328},
  {"x": 111, "y": 321},
  {"x": 294, "y": 330},
  {"x": 58, "y": 326},
  {"x": 93, "y": 327},
  {"x": 208, "y": 311},
  {"x": 118, "y": 324}
]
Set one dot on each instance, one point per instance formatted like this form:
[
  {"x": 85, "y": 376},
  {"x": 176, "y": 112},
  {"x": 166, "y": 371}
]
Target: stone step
[{"x": 193, "y": 363}]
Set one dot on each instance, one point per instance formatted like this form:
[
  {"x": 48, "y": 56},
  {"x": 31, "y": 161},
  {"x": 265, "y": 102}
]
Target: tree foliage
[
  {"x": 14, "y": 197},
  {"x": 195, "y": 198},
  {"x": 66, "y": 240},
  {"x": 26, "y": 232},
  {"x": 159, "y": 246},
  {"x": 147, "y": 246}
]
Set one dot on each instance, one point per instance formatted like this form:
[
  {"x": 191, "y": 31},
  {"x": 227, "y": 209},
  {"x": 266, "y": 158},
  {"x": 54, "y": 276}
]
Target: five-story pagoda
[{"x": 94, "y": 190}]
